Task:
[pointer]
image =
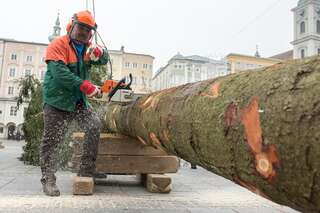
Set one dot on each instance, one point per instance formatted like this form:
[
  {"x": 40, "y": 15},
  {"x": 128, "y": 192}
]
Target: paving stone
[{"x": 192, "y": 191}]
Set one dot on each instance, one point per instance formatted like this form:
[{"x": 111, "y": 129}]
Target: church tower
[
  {"x": 306, "y": 29},
  {"x": 56, "y": 30}
]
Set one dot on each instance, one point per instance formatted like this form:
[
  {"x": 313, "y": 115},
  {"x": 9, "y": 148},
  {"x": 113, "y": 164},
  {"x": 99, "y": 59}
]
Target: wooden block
[
  {"x": 137, "y": 164},
  {"x": 78, "y": 136},
  {"x": 83, "y": 185},
  {"x": 158, "y": 183}
]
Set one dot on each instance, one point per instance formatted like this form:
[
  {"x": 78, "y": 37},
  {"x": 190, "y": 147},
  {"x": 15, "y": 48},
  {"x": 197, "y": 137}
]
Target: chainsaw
[{"x": 118, "y": 91}]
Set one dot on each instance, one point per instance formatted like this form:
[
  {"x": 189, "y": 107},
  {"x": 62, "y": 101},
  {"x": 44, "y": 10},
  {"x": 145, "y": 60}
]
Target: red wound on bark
[
  {"x": 251, "y": 120},
  {"x": 151, "y": 101},
  {"x": 155, "y": 141},
  {"x": 142, "y": 141},
  {"x": 272, "y": 154},
  {"x": 264, "y": 165},
  {"x": 214, "y": 91},
  {"x": 265, "y": 157},
  {"x": 148, "y": 101}
]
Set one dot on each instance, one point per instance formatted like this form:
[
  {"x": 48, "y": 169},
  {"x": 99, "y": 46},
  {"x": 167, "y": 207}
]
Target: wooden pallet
[{"x": 122, "y": 155}]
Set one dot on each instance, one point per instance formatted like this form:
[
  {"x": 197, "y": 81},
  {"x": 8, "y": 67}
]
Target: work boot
[{"x": 50, "y": 188}]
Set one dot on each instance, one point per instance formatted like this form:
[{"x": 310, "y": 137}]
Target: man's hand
[
  {"x": 95, "y": 52},
  {"x": 89, "y": 89}
]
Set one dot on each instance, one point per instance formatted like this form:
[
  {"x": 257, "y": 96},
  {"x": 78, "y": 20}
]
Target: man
[{"x": 65, "y": 91}]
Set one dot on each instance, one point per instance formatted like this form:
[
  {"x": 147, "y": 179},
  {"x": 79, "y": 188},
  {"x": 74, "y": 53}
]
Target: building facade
[
  {"x": 17, "y": 60},
  {"x": 306, "y": 29},
  {"x": 186, "y": 69},
  {"x": 239, "y": 62},
  {"x": 139, "y": 65}
]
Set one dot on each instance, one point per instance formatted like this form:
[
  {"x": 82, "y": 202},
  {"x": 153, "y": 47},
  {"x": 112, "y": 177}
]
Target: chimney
[{"x": 122, "y": 48}]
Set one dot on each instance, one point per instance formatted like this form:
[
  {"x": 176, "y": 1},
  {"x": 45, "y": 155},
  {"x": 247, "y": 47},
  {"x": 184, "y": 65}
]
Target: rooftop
[
  {"x": 22, "y": 42},
  {"x": 191, "y": 58},
  {"x": 250, "y": 56},
  {"x": 284, "y": 56}
]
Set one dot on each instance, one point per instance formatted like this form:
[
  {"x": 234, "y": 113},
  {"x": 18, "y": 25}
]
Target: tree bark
[{"x": 260, "y": 129}]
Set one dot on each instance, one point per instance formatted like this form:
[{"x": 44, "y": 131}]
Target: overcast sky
[{"x": 161, "y": 28}]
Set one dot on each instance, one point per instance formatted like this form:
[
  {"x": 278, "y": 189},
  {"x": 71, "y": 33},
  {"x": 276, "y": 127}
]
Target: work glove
[
  {"x": 90, "y": 89},
  {"x": 95, "y": 52}
]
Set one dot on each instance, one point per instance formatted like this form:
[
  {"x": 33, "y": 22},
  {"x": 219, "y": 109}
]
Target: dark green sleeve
[
  {"x": 103, "y": 60},
  {"x": 63, "y": 76}
]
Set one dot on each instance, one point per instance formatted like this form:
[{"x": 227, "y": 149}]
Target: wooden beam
[{"x": 132, "y": 164}]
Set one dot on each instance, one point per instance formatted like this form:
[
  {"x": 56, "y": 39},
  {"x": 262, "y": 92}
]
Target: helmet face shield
[{"x": 81, "y": 33}]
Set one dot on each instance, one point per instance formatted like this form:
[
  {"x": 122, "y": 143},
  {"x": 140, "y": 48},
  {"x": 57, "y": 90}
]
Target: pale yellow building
[
  {"x": 239, "y": 62},
  {"x": 139, "y": 65},
  {"x": 17, "y": 60}
]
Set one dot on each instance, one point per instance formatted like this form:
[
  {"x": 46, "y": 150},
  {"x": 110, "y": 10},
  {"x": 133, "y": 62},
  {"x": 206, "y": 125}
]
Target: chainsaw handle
[
  {"x": 130, "y": 82},
  {"x": 118, "y": 86}
]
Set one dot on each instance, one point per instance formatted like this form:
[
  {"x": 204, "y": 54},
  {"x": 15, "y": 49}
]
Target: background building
[
  {"x": 17, "y": 60},
  {"x": 306, "y": 29},
  {"x": 186, "y": 69},
  {"x": 139, "y": 65},
  {"x": 239, "y": 62}
]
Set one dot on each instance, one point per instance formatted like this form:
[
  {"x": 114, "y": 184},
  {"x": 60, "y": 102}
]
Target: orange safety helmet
[{"x": 82, "y": 17}]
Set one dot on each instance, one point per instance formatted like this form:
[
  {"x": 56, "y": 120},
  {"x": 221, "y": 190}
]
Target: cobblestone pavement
[{"x": 193, "y": 191}]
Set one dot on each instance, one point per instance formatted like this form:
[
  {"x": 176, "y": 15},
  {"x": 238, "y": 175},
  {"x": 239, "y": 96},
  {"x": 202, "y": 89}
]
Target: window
[
  {"x": 1, "y": 130},
  {"x": 145, "y": 66},
  {"x": 10, "y": 90},
  {"x": 302, "y": 27},
  {"x": 13, "y": 111},
  {"x": 29, "y": 58},
  {"x": 318, "y": 51},
  {"x": 12, "y": 72},
  {"x": 134, "y": 80},
  {"x": 150, "y": 67},
  {"x": 134, "y": 65},
  {"x": 0, "y": 112},
  {"x": 27, "y": 73},
  {"x": 318, "y": 27},
  {"x": 143, "y": 81},
  {"x": 127, "y": 64},
  {"x": 43, "y": 59},
  {"x": 13, "y": 56},
  {"x": 302, "y": 53}
]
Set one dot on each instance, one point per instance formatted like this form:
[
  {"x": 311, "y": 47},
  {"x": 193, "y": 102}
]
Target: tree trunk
[{"x": 260, "y": 129}]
